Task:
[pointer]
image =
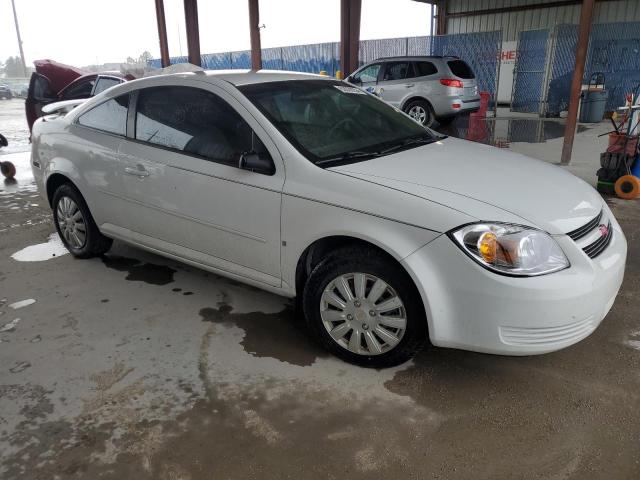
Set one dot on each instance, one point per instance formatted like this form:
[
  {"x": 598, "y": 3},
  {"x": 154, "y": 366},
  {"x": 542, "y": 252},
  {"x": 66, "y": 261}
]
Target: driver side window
[
  {"x": 368, "y": 75},
  {"x": 196, "y": 122}
]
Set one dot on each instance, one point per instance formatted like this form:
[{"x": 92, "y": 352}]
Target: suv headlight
[{"x": 511, "y": 249}]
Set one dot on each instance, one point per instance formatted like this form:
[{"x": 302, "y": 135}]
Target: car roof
[
  {"x": 243, "y": 77},
  {"x": 417, "y": 57}
]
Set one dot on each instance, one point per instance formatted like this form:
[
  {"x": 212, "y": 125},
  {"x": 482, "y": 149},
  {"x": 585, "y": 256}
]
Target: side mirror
[
  {"x": 254, "y": 162},
  {"x": 354, "y": 80}
]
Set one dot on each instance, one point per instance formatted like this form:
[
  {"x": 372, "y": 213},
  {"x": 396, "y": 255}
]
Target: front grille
[
  {"x": 591, "y": 237},
  {"x": 585, "y": 229},
  {"x": 597, "y": 247}
]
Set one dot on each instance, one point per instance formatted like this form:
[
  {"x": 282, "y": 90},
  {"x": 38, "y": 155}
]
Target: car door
[
  {"x": 397, "y": 82},
  {"x": 184, "y": 189},
  {"x": 39, "y": 94}
]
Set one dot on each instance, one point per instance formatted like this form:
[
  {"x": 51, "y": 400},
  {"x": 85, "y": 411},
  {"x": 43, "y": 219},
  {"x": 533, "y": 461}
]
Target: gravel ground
[{"x": 134, "y": 366}]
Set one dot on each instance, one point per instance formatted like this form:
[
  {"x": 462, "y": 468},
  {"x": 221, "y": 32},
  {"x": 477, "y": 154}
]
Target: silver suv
[{"x": 429, "y": 88}]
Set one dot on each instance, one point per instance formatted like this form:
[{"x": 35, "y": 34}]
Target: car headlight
[{"x": 511, "y": 249}]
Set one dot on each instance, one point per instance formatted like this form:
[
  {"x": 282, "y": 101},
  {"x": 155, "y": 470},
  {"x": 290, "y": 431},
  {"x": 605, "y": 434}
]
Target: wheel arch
[
  {"x": 316, "y": 251},
  {"x": 416, "y": 97},
  {"x": 54, "y": 181}
]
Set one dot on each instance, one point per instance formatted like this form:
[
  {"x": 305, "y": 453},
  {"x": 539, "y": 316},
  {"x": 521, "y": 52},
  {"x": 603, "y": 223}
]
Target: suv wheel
[
  {"x": 364, "y": 309},
  {"x": 420, "y": 111},
  {"x": 75, "y": 225}
]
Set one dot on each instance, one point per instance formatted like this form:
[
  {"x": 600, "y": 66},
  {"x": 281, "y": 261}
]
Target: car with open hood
[
  {"x": 53, "y": 82},
  {"x": 387, "y": 232}
]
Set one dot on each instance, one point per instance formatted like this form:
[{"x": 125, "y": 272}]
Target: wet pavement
[
  {"x": 135, "y": 366},
  {"x": 502, "y": 132}
]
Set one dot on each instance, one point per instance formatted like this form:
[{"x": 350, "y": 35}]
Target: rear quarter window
[
  {"x": 109, "y": 116},
  {"x": 460, "y": 69},
  {"x": 424, "y": 69}
]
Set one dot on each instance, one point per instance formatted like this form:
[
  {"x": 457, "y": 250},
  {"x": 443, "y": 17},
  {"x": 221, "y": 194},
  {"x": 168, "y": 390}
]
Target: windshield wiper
[
  {"x": 345, "y": 157},
  {"x": 408, "y": 142}
]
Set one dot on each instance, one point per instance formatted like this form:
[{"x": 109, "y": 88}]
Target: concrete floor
[{"x": 136, "y": 367}]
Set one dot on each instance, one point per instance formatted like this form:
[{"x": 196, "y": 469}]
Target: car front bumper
[{"x": 472, "y": 308}]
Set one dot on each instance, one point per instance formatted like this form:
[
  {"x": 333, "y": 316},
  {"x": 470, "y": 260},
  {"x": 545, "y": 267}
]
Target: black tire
[
  {"x": 446, "y": 120},
  {"x": 424, "y": 105},
  {"x": 95, "y": 243},
  {"x": 368, "y": 261}
]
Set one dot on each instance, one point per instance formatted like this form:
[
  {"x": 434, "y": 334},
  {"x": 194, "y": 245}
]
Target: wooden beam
[
  {"x": 162, "y": 34},
  {"x": 254, "y": 32},
  {"x": 349, "y": 35},
  {"x": 193, "y": 32},
  {"x": 586, "y": 15}
]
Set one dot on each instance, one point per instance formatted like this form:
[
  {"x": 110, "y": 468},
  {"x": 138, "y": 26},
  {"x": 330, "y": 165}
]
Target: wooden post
[
  {"x": 193, "y": 33},
  {"x": 586, "y": 14},
  {"x": 162, "y": 34},
  {"x": 254, "y": 31},
  {"x": 349, "y": 35}
]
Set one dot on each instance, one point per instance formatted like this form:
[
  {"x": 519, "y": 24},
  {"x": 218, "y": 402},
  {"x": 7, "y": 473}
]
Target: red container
[
  {"x": 484, "y": 103},
  {"x": 617, "y": 144}
]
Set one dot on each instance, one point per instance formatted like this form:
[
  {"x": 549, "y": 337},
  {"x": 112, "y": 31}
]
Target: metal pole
[
  {"x": 433, "y": 19},
  {"x": 254, "y": 32},
  {"x": 15, "y": 19},
  {"x": 162, "y": 34},
  {"x": 193, "y": 33},
  {"x": 442, "y": 17},
  {"x": 586, "y": 13}
]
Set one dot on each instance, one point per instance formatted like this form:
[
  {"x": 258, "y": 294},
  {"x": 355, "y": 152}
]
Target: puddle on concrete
[
  {"x": 150, "y": 273},
  {"x": 22, "y": 303},
  {"x": 42, "y": 251},
  {"x": 501, "y": 132},
  {"x": 277, "y": 335}
]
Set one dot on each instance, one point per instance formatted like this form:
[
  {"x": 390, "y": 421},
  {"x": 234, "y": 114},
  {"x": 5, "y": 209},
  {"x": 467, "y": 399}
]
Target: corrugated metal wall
[{"x": 513, "y": 23}]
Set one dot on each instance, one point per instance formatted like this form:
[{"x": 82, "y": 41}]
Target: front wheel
[
  {"x": 365, "y": 309},
  {"x": 75, "y": 225}
]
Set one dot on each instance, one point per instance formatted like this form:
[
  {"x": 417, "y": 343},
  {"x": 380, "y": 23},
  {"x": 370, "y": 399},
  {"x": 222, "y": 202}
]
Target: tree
[
  {"x": 13, "y": 67},
  {"x": 145, "y": 57}
]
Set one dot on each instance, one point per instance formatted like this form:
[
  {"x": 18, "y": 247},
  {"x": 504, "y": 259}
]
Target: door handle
[
  {"x": 409, "y": 85},
  {"x": 137, "y": 172}
]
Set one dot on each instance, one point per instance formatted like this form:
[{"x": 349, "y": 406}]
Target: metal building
[{"x": 514, "y": 16}]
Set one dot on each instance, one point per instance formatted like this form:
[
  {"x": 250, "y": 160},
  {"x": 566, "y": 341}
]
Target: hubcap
[
  {"x": 71, "y": 223},
  {"x": 419, "y": 114},
  {"x": 363, "y": 314}
]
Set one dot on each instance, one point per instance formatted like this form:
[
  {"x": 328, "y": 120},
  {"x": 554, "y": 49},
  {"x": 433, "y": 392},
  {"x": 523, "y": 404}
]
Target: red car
[{"x": 54, "y": 82}]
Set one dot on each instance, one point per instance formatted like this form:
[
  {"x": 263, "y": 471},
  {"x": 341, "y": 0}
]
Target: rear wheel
[
  {"x": 365, "y": 309},
  {"x": 420, "y": 111},
  {"x": 75, "y": 225}
]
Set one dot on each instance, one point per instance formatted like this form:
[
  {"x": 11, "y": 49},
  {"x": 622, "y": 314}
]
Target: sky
[{"x": 85, "y": 32}]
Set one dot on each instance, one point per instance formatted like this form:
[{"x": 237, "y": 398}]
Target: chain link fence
[
  {"x": 614, "y": 50},
  {"x": 480, "y": 50}
]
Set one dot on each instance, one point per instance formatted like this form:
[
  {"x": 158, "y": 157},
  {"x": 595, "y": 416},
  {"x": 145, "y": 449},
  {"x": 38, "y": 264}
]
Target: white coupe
[{"x": 389, "y": 233}]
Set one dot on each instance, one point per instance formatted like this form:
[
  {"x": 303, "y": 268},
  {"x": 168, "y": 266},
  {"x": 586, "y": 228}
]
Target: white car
[{"x": 302, "y": 185}]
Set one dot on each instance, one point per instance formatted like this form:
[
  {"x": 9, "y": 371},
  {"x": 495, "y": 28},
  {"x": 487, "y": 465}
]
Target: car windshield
[{"x": 332, "y": 123}]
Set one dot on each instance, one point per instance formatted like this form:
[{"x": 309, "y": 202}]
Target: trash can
[{"x": 593, "y": 100}]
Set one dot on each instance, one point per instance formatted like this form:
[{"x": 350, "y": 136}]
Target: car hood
[
  {"x": 460, "y": 174},
  {"x": 59, "y": 74}
]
